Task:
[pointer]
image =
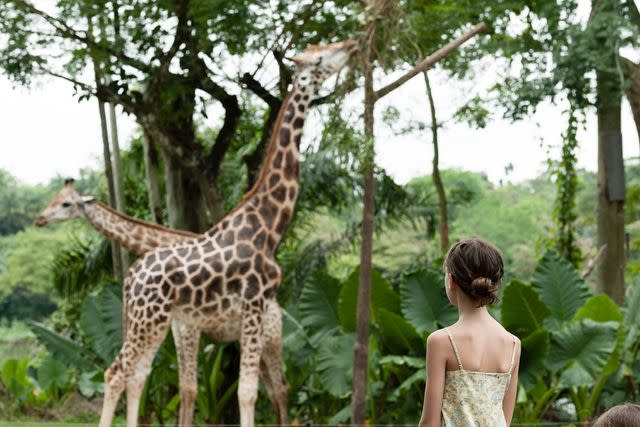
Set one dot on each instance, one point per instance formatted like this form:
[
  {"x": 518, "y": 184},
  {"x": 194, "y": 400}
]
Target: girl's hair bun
[
  {"x": 484, "y": 290},
  {"x": 476, "y": 267}
]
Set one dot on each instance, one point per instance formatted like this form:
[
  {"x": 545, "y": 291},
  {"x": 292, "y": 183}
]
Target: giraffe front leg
[
  {"x": 187, "y": 339},
  {"x": 113, "y": 387},
  {"x": 250, "y": 352}
]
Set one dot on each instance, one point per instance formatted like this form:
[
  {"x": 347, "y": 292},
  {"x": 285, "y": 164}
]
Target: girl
[
  {"x": 625, "y": 415},
  {"x": 472, "y": 366}
]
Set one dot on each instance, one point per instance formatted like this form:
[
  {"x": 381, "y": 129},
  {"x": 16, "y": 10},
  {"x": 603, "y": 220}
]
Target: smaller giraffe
[
  {"x": 140, "y": 237},
  {"x": 137, "y": 236}
]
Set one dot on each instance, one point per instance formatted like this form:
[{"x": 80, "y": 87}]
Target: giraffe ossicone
[{"x": 225, "y": 280}]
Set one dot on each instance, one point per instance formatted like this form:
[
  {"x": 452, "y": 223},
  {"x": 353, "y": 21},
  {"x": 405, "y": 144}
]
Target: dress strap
[
  {"x": 455, "y": 349},
  {"x": 513, "y": 353}
]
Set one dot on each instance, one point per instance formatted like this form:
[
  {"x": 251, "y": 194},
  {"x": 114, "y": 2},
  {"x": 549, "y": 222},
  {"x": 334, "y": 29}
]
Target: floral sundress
[{"x": 474, "y": 399}]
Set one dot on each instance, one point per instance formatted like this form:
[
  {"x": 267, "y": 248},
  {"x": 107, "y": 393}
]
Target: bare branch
[
  {"x": 254, "y": 86},
  {"x": 428, "y": 62},
  {"x": 593, "y": 262}
]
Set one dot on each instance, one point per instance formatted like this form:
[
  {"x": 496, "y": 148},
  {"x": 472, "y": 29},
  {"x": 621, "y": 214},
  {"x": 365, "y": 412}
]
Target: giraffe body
[{"x": 226, "y": 280}]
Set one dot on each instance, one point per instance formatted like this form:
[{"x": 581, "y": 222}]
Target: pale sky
[{"x": 47, "y": 132}]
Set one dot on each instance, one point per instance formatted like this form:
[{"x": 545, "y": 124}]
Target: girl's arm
[
  {"x": 436, "y": 368},
  {"x": 509, "y": 401}
]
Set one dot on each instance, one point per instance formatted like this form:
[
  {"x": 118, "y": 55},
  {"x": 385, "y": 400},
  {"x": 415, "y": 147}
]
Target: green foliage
[
  {"x": 522, "y": 311},
  {"x": 29, "y": 256},
  {"x": 101, "y": 323},
  {"x": 15, "y": 379},
  {"x": 382, "y": 297},
  {"x": 565, "y": 214},
  {"x": 63, "y": 348},
  {"x": 397, "y": 336},
  {"x": 53, "y": 376},
  {"x": 335, "y": 364},
  {"x": 19, "y": 203},
  {"x": 582, "y": 348},
  {"x": 81, "y": 264},
  {"x": 560, "y": 286},
  {"x": 424, "y": 302},
  {"x": 599, "y": 308},
  {"x": 534, "y": 352},
  {"x": 318, "y": 303}
]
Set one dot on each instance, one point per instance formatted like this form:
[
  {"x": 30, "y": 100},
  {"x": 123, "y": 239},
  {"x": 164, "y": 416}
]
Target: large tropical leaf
[
  {"x": 582, "y": 348},
  {"x": 534, "y": 353},
  {"x": 396, "y": 334},
  {"x": 13, "y": 375},
  {"x": 335, "y": 364},
  {"x": 560, "y": 286},
  {"x": 424, "y": 302},
  {"x": 63, "y": 348},
  {"x": 52, "y": 374},
  {"x": 319, "y": 303},
  {"x": 632, "y": 308},
  {"x": 599, "y": 308},
  {"x": 382, "y": 297},
  {"x": 522, "y": 310},
  {"x": 101, "y": 323}
]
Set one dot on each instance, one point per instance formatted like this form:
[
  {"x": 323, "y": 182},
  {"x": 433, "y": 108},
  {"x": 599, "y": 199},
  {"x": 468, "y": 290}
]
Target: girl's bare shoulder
[{"x": 437, "y": 339}]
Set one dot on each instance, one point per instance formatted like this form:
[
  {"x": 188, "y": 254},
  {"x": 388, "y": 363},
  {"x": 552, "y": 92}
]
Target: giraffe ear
[
  {"x": 87, "y": 200},
  {"x": 69, "y": 182},
  {"x": 298, "y": 60}
]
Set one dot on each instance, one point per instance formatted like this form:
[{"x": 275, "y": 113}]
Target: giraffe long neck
[
  {"x": 273, "y": 197},
  {"x": 137, "y": 236}
]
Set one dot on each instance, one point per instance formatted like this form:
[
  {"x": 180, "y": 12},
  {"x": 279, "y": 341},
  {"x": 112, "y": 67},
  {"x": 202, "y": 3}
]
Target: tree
[
  {"x": 167, "y": 63},
  {"x": 375, "y": 10}
]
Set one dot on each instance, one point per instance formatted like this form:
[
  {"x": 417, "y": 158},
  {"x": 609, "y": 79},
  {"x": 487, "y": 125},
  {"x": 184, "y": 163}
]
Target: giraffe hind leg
[
  {"x": 250, "y": 352},
  {"x": 187, "y": 339},
  {"x": 272, "y": 361}
]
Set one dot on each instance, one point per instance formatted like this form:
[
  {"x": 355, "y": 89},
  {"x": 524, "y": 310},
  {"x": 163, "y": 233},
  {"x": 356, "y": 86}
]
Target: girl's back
[
  {"x": 472, "y": 366},
  {"x": 477, "y": 377}
]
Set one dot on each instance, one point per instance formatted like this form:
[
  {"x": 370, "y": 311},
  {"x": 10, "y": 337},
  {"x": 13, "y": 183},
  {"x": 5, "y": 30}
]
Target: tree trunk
[
  {"x": 611, "y": 186},
  {"x": 632, "y": 88},
  {"x": 361, "y": 347},
  {"x": 118, "y": 179},
  {"x": 151, "y": 165},
  {"x": 106, "y": 150},
  {"x": 435, "y": 173}
]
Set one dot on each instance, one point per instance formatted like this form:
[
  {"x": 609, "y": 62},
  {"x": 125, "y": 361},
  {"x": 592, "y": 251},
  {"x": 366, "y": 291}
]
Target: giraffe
[
  {"x": 138, "y": 237},
  {"x": 225, "y": 280}
]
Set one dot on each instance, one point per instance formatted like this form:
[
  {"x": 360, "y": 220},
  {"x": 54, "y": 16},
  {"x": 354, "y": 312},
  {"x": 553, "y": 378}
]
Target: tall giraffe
[
  {"x": 225, "y": 280},
  {"x": 138, "y": 237}
]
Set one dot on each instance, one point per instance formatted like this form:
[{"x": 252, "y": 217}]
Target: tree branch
[
  {"x": 231, "y": 118},
  {"x": 428, "y": 62},
  {"x": 254, "y": 86},
  {"x": 71, "y": 33},
  {"x": 182, "y": 33}
]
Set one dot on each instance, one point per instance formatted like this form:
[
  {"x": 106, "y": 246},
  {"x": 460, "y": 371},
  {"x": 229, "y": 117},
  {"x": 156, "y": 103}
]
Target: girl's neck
[{"x": 468, "y": 310}]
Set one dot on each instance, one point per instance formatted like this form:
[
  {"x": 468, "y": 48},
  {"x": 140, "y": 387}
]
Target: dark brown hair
[
  {"x": 625, "y": 415},
  {"x": 477, "y": 268}
]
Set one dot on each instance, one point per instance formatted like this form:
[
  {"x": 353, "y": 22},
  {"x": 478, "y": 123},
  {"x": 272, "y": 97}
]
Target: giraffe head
[
  {"x": 317, "y": 63},
  {"x": 67, "y": 204}
]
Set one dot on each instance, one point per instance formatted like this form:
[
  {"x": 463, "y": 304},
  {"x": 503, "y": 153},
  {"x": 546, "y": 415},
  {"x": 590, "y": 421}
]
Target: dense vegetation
[
  {"x": 172, "y": 64},
  {"x": 319, "y": 299}
]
